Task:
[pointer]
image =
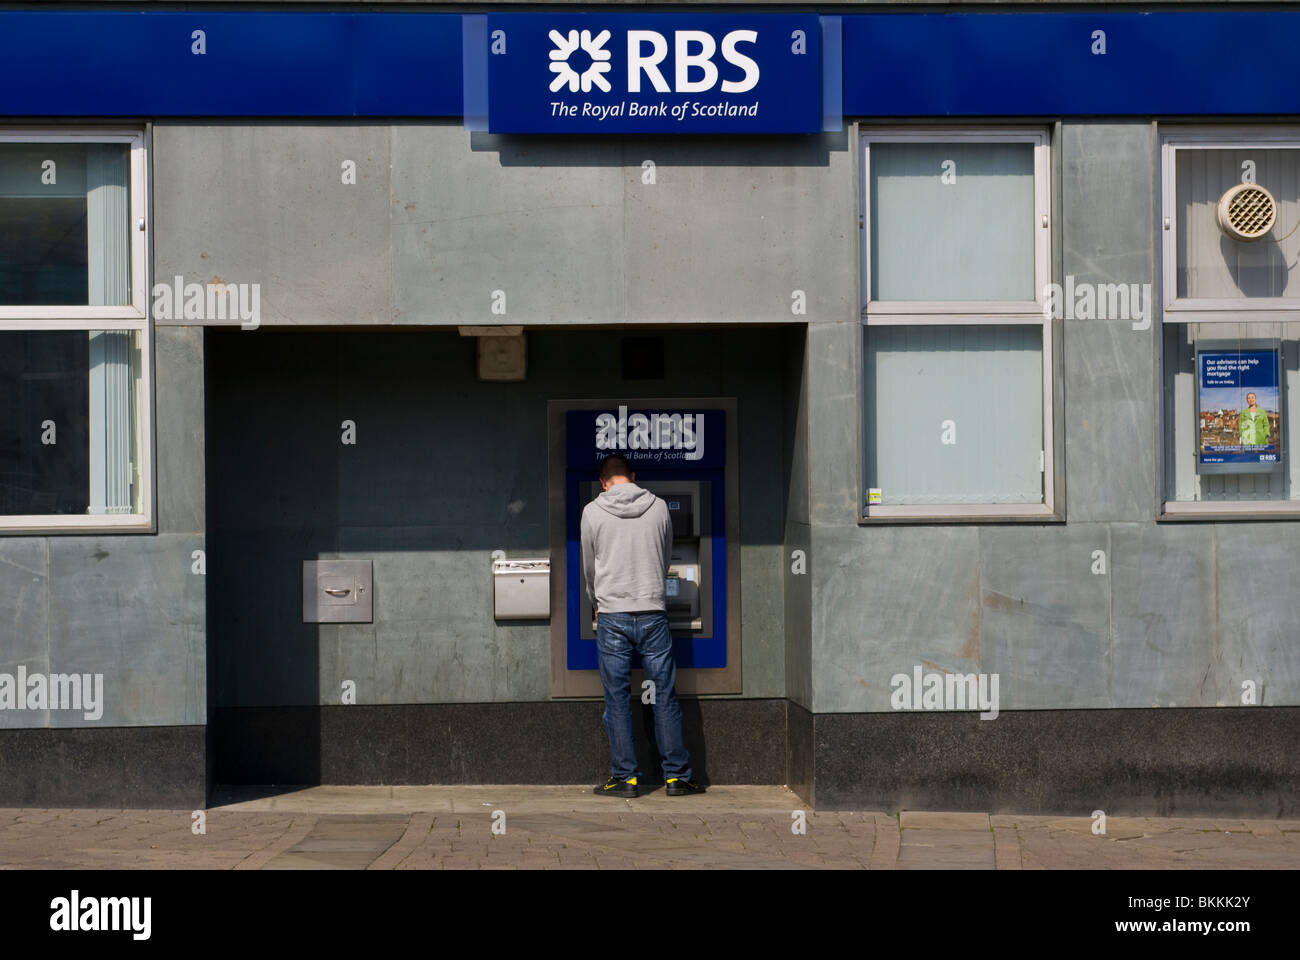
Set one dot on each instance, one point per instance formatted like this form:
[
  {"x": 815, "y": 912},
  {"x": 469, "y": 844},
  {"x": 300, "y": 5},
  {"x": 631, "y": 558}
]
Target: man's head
[{"x": 615, "y": 469}]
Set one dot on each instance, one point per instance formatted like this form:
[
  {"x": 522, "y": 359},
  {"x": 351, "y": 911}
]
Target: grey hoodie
[{"x": 627, "y": 542}]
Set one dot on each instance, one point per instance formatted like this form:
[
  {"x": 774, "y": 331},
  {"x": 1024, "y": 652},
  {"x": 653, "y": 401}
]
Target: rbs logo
[
  {"x": 638, "y": 61},
  {"x": 693, "y": 68}
]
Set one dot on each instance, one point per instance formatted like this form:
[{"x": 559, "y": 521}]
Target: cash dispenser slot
[{"x": 682, "y": 587}]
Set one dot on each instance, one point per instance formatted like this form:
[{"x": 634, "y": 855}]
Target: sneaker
[
  {"x": 678, "y": 787},
  {"x": 614, "y": 787}
]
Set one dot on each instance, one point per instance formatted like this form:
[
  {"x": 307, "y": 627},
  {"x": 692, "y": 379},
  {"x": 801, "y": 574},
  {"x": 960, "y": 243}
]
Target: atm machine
[
  {"x": 690, "y": 508},
  {"x": 679, "y": 454}
]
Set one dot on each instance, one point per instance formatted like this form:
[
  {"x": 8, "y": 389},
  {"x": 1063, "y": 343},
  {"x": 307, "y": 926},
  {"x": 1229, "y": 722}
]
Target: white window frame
[
  {"x": 1207, "y": 309},
  {"x": 973, "y": 311},
  {"x": 965, "y": 312},
  {"x": 134, "y": 317}
]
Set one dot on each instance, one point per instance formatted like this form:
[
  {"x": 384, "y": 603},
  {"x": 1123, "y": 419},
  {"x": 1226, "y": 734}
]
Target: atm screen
[{"x": 681, "y": 512}]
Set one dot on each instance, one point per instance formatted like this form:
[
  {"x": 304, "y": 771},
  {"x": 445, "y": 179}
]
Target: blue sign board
[
  {"x": 1053, "y": 63},
  {"x": 654, "y": 73},
  {"x": 693, "y": 73},
  {"x": 212, "y": 63}
]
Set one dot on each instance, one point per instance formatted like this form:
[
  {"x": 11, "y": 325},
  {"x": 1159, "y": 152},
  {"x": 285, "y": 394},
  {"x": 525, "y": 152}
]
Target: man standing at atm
[{"x": 627, "y": 542}]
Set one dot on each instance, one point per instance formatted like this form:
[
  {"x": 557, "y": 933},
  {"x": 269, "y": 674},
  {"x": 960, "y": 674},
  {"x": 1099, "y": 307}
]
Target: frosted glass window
[
  {"x": 952, "y": 221},
  {"x": 1215, "y": 266},
  {"x": 955, "y": 413}
]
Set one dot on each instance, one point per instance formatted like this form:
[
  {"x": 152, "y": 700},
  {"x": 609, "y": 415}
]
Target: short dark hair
[{"x": 615, "y": 465}]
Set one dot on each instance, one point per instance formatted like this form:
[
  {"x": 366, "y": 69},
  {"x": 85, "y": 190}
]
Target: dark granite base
[
  {"x": 730, "y": 741},
  {"x": 1237, "y": 761},
  {"x": 1233, "y": 761},
  {"x": 799, "y": 762},
  {"x": 112, "y": 767}
]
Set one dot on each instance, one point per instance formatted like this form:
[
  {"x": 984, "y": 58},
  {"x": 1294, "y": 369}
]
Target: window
[
  {"x": 1231, "y": 323},
  {"x": 957, "y": 356},
  {"x": 1211, "y": 272},
  {"x": 74, "y": 334}
]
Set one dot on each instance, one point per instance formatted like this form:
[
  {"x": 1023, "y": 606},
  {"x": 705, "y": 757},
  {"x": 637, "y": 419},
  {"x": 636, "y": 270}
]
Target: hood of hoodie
[{"x": 625, "y": 500}]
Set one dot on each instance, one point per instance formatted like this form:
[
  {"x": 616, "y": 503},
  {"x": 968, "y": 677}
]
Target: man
[
  {"x": 1252, "y": 423},
  {"x": 627, "y": 542}
]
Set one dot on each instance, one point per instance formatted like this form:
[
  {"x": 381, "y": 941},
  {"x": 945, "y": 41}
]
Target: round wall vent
[{"x": 1246, "y": 211}]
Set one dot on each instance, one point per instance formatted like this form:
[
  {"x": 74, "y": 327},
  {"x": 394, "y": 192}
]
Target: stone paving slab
[
  {"x": 927, "y": 820},
  {"x": 566, "y": 827}
]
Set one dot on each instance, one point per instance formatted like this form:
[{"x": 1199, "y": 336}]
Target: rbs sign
[
  {"x": 639, "y": 62},
  {"x": 658, "y": 73}
]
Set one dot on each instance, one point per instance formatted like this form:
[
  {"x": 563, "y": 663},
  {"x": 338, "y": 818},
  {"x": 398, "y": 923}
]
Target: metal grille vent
[{"x": 1246, "y": 212}]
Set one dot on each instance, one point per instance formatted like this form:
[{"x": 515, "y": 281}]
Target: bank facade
[{"x": 965, "y": 344}]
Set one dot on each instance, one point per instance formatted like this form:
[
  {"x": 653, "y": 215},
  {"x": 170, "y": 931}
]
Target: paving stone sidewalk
[{"x": 566, "y": 828}]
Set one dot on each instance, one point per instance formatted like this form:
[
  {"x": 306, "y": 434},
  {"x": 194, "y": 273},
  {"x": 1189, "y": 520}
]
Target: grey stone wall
[
  {"x": 437, "y": 221},
  {"x": 128, "y": 607},
  {"x": 440, "y": 219},
  {"x": 1185, "y": 612}
]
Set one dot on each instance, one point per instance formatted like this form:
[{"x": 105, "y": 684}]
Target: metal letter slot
[
  {"x": 521, "y": 589},
  {"x": 337, "y": 591}
]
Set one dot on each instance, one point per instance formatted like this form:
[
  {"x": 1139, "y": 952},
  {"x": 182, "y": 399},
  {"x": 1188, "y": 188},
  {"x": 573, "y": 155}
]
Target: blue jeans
[{"x": 617, "y": 636}]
